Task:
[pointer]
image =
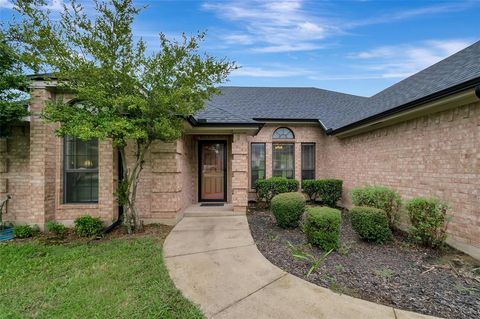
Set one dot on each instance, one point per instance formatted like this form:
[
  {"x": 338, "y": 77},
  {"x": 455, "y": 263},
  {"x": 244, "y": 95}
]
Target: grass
[
  {"x": 120, "y": 278},
  {"x": 385, "y": 273}
]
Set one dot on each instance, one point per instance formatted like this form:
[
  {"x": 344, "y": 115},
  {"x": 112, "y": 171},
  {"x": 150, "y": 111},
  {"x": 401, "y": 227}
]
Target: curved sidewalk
[{"x": 215, "y": 263}]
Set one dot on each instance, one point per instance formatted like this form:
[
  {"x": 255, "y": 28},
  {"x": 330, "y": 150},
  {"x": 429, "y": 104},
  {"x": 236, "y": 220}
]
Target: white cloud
[
  {"x": 274, "y": 72},
  {"x": 269, "y": 26},
  {"x": 272, "y": 26},
  {"x": 412, "y": 13},
  {"x": 243, "y": 39},
  {"x": 396, "y": 62},
  {"x": 5, "y": 4},
  {"x": 287, "y": 48},
  {"x": 54, "y": 5},
  {"x": 406, "y": 59}
]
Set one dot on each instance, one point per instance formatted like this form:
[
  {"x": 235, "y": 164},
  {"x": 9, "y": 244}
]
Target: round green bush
[
  {"x": 322, "y": 227},
  {"x": 266, "y": 189},
  {"x": 288, "y": 209},
  {"x": 23, "y": 231},
  {"x": 379, "y": 197},
  {"x": 429, "y": 221},
  {"x": 371, "y": 224},
  {"x": 56, "y": 228},
  {"x": 87, "y": 226}
]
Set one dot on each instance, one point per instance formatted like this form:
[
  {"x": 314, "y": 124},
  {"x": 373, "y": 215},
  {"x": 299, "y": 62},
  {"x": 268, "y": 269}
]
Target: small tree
[
  {"x": 12, "y": 86},
  {"x": 124, "y": 93}
]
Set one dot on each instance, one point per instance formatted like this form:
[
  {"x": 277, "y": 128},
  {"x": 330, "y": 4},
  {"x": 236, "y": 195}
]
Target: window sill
[{"x": 78, "y": 206}]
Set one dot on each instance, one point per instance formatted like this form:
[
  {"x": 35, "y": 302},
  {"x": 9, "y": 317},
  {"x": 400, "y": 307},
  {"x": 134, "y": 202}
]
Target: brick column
[
  {"x": 108, "y": 178},
  {"x": 3, "y": 168},
  {"x": 166, "y": 177},
  {"x": 240, "y": 173},
  {"x": 42, "y": 161},
  {"x": 298, "y": 161}
]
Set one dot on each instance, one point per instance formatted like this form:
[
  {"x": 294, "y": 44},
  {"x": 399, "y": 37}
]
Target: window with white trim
[{"x": 283, "y": 133}]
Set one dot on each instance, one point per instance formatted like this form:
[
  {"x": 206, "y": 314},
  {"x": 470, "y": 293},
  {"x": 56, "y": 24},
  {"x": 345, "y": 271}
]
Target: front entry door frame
[{"x": 201, "y": 143}]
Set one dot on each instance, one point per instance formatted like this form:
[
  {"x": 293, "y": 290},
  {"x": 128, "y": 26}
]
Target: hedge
[
  {"x": 329, "y": 191},
  {"x": 268, "y": 188},
  {"x": 87, "y": 226},
  {"x": 322, "y": 227},
  {"x": 371, "y": 224},
  {"x": 379, "y": 197},
  {"x": 23, "y": 231},
  {"x": 429, "y": 220},
  {"x": 288, "y": 209}
]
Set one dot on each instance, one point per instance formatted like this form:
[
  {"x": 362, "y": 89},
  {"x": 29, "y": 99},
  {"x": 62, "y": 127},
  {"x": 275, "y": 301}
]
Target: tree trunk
[{"x": 127, "y": 189}]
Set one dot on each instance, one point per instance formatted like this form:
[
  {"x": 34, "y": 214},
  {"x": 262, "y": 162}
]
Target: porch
[{"x": 211, "y": 210}]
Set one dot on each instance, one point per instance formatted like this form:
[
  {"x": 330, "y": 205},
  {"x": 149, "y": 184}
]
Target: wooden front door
[{"x": 212, "y": 171}]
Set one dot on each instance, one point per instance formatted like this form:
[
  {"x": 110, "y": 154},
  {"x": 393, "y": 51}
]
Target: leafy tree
[
  {"x": 12, "y": 85},
  {"x": 123, "y": 92}
]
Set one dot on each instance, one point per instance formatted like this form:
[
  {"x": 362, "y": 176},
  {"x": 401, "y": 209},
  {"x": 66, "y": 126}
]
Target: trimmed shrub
[
  {"x": 268, "y": 188},
  {"x": 322, "y": 227},
  {"x": 23, "y": 231},
  {"x": 429, "y": 220},
  {"x": 56, "y": 228},
  {"x": 288, "y": 209},
  {"x": 379, "y": 197},
  {"x": 371, "y": 224},
  {"x": 310, "y": 187},
  {"x": 330, "y": 191},
  {"x": 87, "y": 226}
]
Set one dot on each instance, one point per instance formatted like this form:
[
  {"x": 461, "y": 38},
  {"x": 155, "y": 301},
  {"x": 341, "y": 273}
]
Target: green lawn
[{"x": 121, "y": 278}]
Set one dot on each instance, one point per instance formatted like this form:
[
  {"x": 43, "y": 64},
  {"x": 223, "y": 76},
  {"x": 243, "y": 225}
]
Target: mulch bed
[
  {"x": 440, "y": 283},
  {"x": 155, "y": 231}
]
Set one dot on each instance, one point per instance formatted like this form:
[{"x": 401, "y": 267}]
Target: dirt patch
[{"x": 399, "y": 274}]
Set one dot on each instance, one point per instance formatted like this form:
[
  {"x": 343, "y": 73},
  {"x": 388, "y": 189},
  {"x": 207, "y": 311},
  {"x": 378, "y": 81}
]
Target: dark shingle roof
[
  {"x": 245, "y": 104},
  {"x": 336, "y": 110}
]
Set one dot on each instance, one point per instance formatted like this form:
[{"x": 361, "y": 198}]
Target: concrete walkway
[{"x": 215, "y": 263}]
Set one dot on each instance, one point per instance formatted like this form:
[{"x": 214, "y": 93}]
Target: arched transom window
[{"x": 283, "y": 133}]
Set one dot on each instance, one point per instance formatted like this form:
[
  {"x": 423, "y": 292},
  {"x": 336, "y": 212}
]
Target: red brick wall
[
  {"x": 436, "y": 155},
  {"x": 304, "y": 133},
  {"x": 14, "y": 175},
  {"x": 166, "y": 182},
  {"x": 35, "y": 171}
]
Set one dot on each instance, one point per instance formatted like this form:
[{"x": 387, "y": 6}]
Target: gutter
[
  {"x": 289, "y": 120},
  {"x": 471, "y": 84},
  {"x": 477, "y": 91},
  {"x": 216, "y": 124}
]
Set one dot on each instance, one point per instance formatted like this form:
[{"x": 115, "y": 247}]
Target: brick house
[{"x": 420, "y": 137}]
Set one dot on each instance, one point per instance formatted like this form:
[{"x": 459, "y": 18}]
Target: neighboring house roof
[{"x": 335, "y": 110}]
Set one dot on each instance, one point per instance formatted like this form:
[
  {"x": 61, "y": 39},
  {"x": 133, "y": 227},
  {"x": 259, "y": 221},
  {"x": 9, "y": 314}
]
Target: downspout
[
  {"x": 3, "y": 204},
  {"x": 119, "y": 220}
]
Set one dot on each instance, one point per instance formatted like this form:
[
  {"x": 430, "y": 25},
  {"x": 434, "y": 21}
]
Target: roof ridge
[
  {"x": 444, "y": 60},
  {"x": 290, "y": 87}
]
